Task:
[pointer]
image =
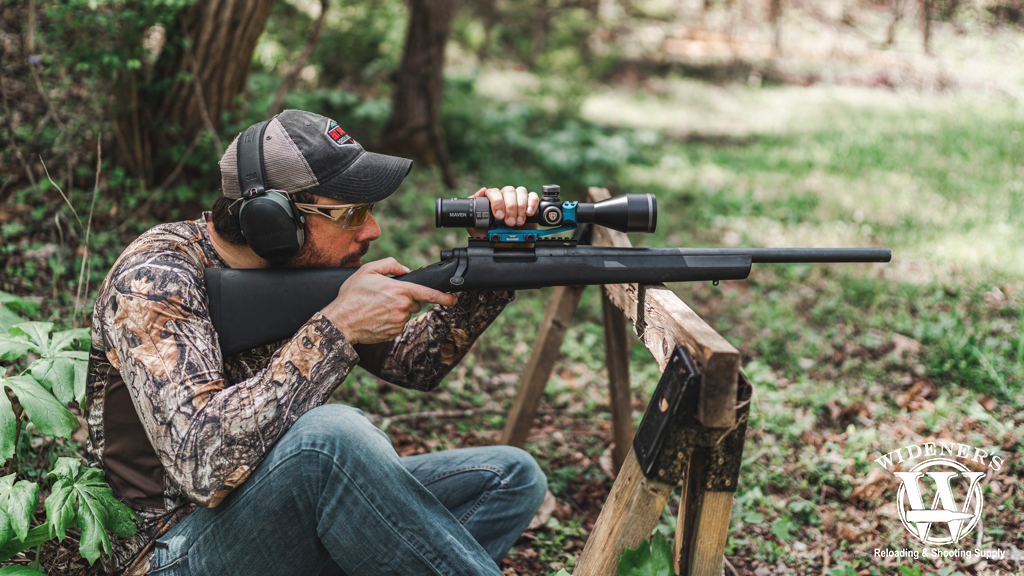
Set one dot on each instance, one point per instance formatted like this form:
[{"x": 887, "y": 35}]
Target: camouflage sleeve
[
  {"x": 433, "y": 343},
  {"x": 209, "y": 434}
]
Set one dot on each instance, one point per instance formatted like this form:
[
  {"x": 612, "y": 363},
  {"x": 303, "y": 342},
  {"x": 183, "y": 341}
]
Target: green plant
[
  {"x": 50, "y": 374},
  {"x": 653, "y": 558},
  {"x": 552, "y": 541}
]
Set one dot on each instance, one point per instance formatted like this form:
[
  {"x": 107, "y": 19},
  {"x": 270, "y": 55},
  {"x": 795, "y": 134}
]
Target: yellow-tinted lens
[{"x": 357, "y": 216}]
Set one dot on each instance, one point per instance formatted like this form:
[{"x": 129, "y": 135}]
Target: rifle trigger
[{"x": 457, "y": 279}]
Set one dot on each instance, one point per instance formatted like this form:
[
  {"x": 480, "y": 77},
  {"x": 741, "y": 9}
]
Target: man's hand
[
  {"x": 510, "y": 204},
  {"x": 372, "y": 308}
]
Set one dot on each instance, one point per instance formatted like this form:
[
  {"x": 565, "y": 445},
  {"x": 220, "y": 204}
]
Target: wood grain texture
[
  {"x": 709, "y": 536},
  {"x": 702, "y": 526},
  {"x": 620, "y": 398},
  {"x": 628, "y": 518},
  {"x": 546, "y": 348},
  {"x": 662, "y": 320}
]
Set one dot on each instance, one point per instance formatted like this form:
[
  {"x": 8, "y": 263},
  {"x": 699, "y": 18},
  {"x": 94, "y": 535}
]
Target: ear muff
[
  {"x": 269, "y": 221},
  {"x": 270, "y": 227}
]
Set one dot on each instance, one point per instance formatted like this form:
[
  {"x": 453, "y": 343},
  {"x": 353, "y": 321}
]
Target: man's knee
[
  {"x": 338, "y": 431},
  {"x": 522, "y": 471}
]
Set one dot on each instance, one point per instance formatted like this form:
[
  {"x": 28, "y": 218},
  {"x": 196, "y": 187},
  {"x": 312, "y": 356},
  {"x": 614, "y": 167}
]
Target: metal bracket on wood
[{"x": 669, "y": 431}]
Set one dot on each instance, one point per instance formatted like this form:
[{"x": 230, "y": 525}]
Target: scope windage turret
[{"x": 626, "y": 213}]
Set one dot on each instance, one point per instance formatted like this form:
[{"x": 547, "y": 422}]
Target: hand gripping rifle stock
[{"x": 253, "y": 307}]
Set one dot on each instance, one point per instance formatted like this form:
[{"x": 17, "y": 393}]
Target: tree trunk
[
  {"x": 926, "y": 24},
  {"x": 415, "y": 126},
  {"x": 897, "y": 14},
  {"x": 775, "y": 16},
  {"x": 200, "y": 72}
]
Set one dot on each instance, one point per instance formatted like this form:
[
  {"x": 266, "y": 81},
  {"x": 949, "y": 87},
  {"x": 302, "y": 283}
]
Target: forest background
[{"x": 893, "y": 123}]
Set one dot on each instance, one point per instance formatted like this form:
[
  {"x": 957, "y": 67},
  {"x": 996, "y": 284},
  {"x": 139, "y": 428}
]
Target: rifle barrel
[{"x": 796, "y": 255}]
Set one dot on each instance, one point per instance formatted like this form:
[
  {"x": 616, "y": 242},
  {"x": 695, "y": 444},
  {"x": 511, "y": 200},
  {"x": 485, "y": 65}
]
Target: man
[{"x": 237, "y": 465}]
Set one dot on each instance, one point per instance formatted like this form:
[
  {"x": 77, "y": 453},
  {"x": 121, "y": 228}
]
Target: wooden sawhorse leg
[
  {"x": 561, "y": 307},
  {"x": 670, "y": 445},
  {"x": 563, "y": 304}
]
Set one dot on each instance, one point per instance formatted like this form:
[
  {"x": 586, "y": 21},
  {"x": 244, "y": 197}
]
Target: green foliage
[
  {"x": 19, "y": 571},
  {"x": 555, "y": 537},
  {"x": 783, "y": 528},
  {"x": 653, "y": 558},
  {"x": 520, "y": 142},
  {"x": 45, "y": 411},
  {"x": 18, "y": 501},
  {"x": 78, "y": 496},
  {"x": 843, "y": 569},
  {"x": 81, "y": 497},
  {"x": 106, "y": 38},
  {"x": 9, "y": 303}
]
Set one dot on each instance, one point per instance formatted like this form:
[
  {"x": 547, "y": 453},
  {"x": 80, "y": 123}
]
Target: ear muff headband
[{"x": 269, "y": 221}]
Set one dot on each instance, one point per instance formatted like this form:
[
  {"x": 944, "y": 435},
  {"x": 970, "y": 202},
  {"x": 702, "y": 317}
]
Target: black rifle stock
[{"x": 253, "y": 307}]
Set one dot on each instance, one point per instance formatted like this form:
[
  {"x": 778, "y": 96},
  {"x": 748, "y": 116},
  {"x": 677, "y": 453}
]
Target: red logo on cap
[{"x": 338, "y": 135}]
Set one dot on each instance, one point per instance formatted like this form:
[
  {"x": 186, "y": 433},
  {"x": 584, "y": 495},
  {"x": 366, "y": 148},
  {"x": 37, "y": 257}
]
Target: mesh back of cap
[{"x": 286, "y": 168}]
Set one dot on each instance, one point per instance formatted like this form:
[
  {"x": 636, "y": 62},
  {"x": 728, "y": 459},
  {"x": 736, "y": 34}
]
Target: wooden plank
[
  {"x": 627, "y": 518},
  {"x": 662, "y": 320},
  {"x": 546, "y": 348},
  {"x": 705, "y": 507},
  {"x": 620, "y": 398},
  {"x": 703, "y": 523},
  {"x": 710, "y": 534},
  {"x": 686, "y": 521}
]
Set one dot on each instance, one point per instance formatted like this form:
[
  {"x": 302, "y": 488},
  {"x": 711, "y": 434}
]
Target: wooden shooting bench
[{"x": 692, "y": 432}]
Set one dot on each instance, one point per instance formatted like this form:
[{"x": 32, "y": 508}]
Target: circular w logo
[{"x": 918, "y": 519}]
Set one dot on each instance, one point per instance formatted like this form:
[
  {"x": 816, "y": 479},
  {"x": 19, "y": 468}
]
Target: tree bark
[
  {"x": 775, "y": 16},
  {"x": 202, "y": 69},
  {"x": 897, "y": 14},
  {"x": 415, "y": 126},
  {"x": 926, "y": 24}
]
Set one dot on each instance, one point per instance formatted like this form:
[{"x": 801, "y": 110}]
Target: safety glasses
[{"x": 344, "y": 216}]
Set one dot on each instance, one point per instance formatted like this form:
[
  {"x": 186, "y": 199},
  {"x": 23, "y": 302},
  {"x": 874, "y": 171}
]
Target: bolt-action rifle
[{"x": 254, "y": 307}]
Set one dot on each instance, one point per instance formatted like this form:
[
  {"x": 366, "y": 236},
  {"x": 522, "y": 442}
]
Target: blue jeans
[{"x": 333, "y": 495}]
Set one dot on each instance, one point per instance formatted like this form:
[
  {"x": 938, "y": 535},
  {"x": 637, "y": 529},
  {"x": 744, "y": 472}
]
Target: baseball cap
[{"x": 307, "y": 151}]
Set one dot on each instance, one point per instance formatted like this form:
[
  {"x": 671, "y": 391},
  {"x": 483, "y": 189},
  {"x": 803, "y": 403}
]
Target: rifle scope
[{"x": 626, "y": 213}]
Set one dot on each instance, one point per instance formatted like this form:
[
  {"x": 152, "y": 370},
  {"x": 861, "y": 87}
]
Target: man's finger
[
  {"x": 479, "y": 193},
  {"x": 424, "y": 294},
  {"x": 511, "y": 205},
  {"x": 497, "y": 202},
  {"x": 521, "y": 202},
  {"x": 533, "y": 201}
]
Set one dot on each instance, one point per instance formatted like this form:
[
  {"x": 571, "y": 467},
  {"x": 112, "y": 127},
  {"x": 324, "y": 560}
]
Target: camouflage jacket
[{"x": 174, "y": 425}]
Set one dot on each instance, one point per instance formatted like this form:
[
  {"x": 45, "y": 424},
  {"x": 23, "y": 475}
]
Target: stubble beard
[{"x": 310, "y": 256}]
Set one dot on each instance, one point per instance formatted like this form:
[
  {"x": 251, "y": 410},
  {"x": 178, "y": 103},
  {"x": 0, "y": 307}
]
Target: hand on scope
[
  {"x": 508, "y": 204},
  {"x": 371, "y": 307}
]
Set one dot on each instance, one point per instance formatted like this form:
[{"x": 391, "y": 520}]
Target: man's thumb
[{"x": 387, "y": 266}]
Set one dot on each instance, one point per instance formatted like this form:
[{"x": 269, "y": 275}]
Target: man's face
[{"x": 328, "y": 246}]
